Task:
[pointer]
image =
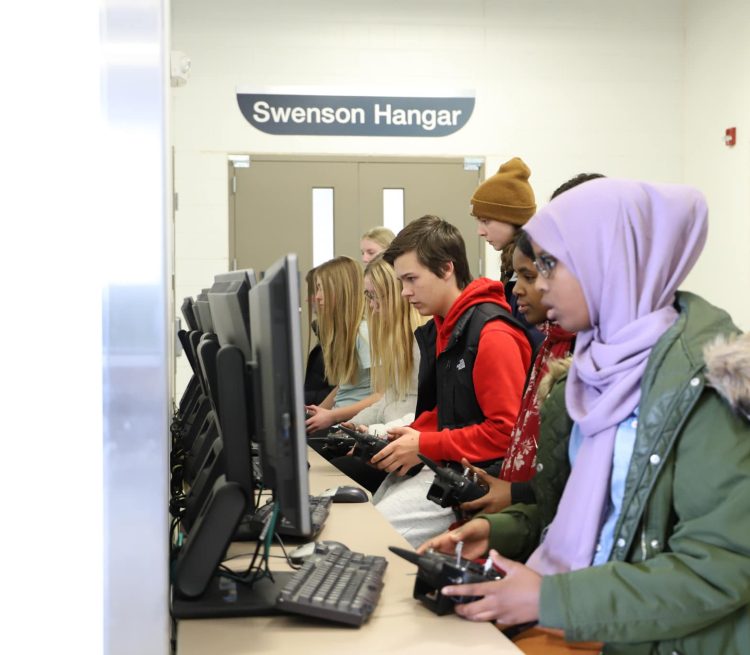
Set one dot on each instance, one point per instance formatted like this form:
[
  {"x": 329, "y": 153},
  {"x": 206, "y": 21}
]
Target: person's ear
[{"x": 448, "y": 270}]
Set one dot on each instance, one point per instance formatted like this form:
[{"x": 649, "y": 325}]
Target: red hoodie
[{"x": 503, "y": 357}]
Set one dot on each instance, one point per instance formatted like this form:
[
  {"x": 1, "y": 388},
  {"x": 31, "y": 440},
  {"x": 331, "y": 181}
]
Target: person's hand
[
  {"x": 475, "y": 534},
  {"x": 512, "y": 600},
  {"x": 320, "y": 418},
  {"x": 496, "y": 499},
  {"x": 399, "y": 455}
]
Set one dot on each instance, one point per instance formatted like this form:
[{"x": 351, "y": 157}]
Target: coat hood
[
  {"x": 728, "y": 370},
  {"x": 478, "y": 291},
  {"x": 557, "y": 369}
]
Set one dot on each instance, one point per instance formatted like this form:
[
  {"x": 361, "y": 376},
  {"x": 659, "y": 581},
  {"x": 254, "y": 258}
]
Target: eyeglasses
[{"x": 545, "y": 264}]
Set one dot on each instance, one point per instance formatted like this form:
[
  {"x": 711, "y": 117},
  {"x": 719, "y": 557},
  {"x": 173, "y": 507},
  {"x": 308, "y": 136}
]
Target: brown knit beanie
[{"x": 507, "y": 196}]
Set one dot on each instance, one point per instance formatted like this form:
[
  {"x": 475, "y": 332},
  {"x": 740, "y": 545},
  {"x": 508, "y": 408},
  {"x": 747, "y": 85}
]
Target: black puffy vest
[{"x": 448, "y": 383}]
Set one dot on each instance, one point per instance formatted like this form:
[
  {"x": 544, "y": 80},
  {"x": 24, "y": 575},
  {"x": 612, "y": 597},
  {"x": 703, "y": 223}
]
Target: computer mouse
[
  {"x": 333, "y": 546},
  {"x": 301, "y": 553},
  {"x": 346, "y": 494}
]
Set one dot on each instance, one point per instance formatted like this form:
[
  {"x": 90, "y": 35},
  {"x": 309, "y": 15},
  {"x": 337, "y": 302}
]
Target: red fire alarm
[{"x": 730, "y": 136}]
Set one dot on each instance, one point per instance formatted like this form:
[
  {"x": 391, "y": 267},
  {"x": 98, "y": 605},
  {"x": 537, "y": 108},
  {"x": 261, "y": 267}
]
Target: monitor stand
[
  {"x": 198, "y": 591},
  {"x": 228, "y": 598}
]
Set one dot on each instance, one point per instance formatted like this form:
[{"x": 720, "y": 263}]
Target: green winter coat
[{"x": 678, "y": 579}]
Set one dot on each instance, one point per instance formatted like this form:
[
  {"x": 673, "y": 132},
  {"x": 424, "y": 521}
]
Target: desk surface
[{"x": 399, "y": 623}]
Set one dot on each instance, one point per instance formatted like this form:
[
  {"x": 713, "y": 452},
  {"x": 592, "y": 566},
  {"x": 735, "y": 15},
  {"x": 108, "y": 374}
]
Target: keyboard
[
  {"x": 251, "y": 525},
  {"x": 336, "y": 585}
]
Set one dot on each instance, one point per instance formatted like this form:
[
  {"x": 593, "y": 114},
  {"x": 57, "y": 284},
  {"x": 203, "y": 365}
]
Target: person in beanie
[{"x": 503, "y": 204}]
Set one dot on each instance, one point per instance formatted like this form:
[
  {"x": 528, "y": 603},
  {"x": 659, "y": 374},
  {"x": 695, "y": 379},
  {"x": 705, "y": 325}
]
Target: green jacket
[{"x": 678, "y": 579}]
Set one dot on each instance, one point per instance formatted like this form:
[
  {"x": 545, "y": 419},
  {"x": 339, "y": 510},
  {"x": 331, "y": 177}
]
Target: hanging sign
[{"x": 432, "y": 114}]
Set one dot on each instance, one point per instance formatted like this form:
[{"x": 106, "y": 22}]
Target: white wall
[
  {"x": 717, "y": 96},
  {"x": 584, "y": 85}
]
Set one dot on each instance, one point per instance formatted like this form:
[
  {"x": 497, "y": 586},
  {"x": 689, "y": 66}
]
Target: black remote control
[
  {"x": 367, "y": 445},
  {"x": 450, "y": 488},
  {"x": 437, "y": 570}
]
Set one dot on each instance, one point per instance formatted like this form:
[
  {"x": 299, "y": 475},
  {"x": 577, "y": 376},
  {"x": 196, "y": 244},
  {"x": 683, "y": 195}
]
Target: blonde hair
[
  {"x": 380, "y": 235},
  {"x": 312, "y": 327},
  {"x": 391, "y": 330},
  {"x": 339, "y": 317}
]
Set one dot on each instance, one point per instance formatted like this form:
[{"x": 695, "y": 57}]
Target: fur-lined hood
[
  {"x": 557, "y": 368},
  {"x": 728, "y": 370}
]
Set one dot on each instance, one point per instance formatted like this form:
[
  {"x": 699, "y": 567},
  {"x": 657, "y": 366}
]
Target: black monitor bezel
[{"x": 276, "y": 338}]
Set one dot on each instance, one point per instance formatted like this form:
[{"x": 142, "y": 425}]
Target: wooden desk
[{"x": 400, "y": 624}]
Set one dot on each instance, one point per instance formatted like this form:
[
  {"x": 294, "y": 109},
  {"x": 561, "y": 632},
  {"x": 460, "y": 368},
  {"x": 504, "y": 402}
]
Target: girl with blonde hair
[
  {"x": 343, "y": 337},
  {"x": 393, "y": 350},
  {"x": 375, "y": 241},
  {"x": 394, "y": 354},
  {"x": 316, "y": 385}
]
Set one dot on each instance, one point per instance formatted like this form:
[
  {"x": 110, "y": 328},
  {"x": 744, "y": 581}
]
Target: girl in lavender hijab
[{"x": 640, "y": 539}]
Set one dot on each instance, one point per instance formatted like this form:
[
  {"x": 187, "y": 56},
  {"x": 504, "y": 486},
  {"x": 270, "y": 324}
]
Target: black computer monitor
[
  {"x": 235, "y": 404},
  {"x": 188, "y": 313},
  {"x": 276, "y": 341},
  {"x": 228, "y": 304},
  {"x": 203, "y": 312}
]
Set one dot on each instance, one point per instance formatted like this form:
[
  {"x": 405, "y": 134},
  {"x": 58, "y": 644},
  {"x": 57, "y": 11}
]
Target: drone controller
[
  {"x": 451, "y": 488},
  {"x": 335, "y": 443},
  {"x": 436, "y": 570},
  {"x": 366, "y": 445}
]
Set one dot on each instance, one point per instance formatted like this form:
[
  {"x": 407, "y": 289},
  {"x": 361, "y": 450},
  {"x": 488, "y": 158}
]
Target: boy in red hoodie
[{"x": 474, "y": 358}]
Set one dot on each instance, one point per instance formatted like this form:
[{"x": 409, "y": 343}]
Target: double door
[{"x": 271, "y": 204}]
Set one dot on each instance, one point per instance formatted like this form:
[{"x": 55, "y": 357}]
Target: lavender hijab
[{"x": 629, "y": 244}]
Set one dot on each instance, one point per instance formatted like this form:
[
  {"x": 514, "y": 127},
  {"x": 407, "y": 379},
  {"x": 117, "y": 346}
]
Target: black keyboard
[
  {"x": 251, "y": 525},
  {"x": 336, "y": 585}
]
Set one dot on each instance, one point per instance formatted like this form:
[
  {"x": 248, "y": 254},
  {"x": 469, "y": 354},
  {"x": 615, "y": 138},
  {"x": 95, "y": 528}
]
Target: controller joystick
[
  {"x": 450, "y": 488},
  {"x": 436, "y": 570},
  {"x": 366, "y": 445}
]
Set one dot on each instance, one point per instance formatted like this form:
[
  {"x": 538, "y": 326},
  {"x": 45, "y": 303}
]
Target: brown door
[{"x": 439, "y": 187}]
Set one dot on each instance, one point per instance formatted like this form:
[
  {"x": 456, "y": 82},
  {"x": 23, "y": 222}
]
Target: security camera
[{"x": 179, "y": 68}]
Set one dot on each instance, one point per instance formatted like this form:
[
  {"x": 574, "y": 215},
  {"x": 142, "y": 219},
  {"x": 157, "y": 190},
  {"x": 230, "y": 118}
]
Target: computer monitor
[
  {"x": 224, "y": 364},
  {"x": 276, "y": 341},
  {"x": 203, "y": 311},
  {"x": 188, "y": 313},
  {"x": 228, "y": 304},
  {"x": 247, "y": 274}
]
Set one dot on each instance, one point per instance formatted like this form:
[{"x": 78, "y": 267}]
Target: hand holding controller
[
  {"x": 335, "y": 443},
  {"x": 450, "y": 488},
  {"x": 437, "y": 570},
  {"x": 367, "y": 445}
]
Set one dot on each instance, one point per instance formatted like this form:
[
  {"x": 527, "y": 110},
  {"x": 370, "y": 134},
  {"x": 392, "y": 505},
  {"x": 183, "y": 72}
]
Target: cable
[
  {"x": 252, "y": 574},
  {"x": 293, "y": 566}
]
